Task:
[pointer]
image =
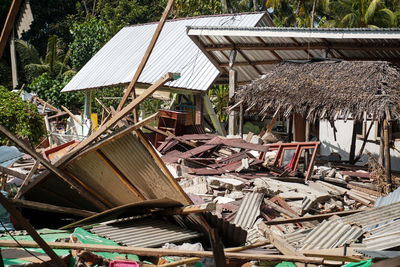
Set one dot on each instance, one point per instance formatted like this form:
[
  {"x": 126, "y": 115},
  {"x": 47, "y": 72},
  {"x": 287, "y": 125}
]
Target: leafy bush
[
  {"x": 49, "y": 89},
  {"x": 19, "y": 117}
]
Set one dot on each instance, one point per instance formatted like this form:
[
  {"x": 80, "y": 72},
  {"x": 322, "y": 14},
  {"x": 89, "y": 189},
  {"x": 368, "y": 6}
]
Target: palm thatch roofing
[{"x": 327, "y": 89}]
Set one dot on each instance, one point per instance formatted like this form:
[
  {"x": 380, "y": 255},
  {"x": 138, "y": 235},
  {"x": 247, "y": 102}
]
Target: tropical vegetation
[{"x": 65, "y": 34}]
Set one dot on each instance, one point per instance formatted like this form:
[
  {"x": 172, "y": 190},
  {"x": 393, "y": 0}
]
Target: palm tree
[
  {"x": 54, "y": 62},
  {"x": 363, "y": 13}
]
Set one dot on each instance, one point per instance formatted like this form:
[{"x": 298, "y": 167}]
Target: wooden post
[
  {"x": 353, "y": 143},
  {"x": 388, "y": 170},
  {"x": 31, "y": 231},
  {"x": 241, "y": 119},
  {"x": 13, "y": 56},
  {"x": 87, "y": 114},
  {"x": 198, "y": 99},
  {"x": 307, "y": 139},
  {"x": 146, "y": 56},
  {"x": 9, "y": 24},
  {"x": 232, "y": 126},
  {"x": 381, "y": 144}
]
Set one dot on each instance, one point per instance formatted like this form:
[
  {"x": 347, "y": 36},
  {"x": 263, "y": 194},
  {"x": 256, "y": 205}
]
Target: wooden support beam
[
  {"x": 51, "y": 208},
  {"x": 39, "y": 242},
  {"x": 12, "y": 172},
  {"x": 189, "y": 209},
  {"x": 235, "y": 249},
  {"x": 131, "y": 86},
  {"x": 279, "y": 242},
  {"x": 292, "y": 46},
  {"x": 318, "y": 217},
  {"x": 159, "y": 252},
  {"x": 52, "y": 168},
  {"x": 72, "y": 116},
  {"x": 9, "y": 24},
  {"x": 388, "y": 169},
  {"x": 232, "y": 124},
  {"x": 102, "y": 104},
  {"x": 27, "y": 179}
]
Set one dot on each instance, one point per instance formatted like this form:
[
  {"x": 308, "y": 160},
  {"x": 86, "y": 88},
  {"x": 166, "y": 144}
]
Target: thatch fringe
[{"x": 326, "y": 89}]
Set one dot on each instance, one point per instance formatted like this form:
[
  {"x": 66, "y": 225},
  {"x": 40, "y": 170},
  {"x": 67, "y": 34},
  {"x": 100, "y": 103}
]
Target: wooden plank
[
  {"x": 27, "y": 179},
  {"x": 198, "y": 99},
  {"x": 279, "y": 242},
  {"x": 146, "y": 56},
  {"x": 9, "y": 24},
  {"x": 39, "y": 242},
  {"x": 318, "y": 217},
  {"x": 159, "y": 252},
  {"x": 12, "y": 172},
  {"x": 388, "y": 167},
  {"x": 51, "y": 208},
  {"x": 235, "y": 249},
  {"x": 52, "y": 168},
  {"x": 191, "y": 209},
  {"x": 72, "y": 116}
]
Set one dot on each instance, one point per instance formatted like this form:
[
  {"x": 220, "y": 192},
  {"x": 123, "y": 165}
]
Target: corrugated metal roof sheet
[
  {"x": 117, "y": 61},
  {"x": 389, "y": 199},
  {"x": 117, "y": 170},
  {"x": 379, "y": 254},
  {"x": 330, "y": 234},
  {"x": 144, "y": 233},
  {"x": 266, "y": 46},
  {"x": 374, "y": 216},
  {"x": 249, "y": 210}
]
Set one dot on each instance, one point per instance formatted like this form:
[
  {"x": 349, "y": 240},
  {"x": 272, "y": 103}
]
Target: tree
[
  {"x": 19, "y": 117},
  {"x": 363, "y": 13},
  {"x": 88, "y": 37},
  {"x": 49, "y": 89}
]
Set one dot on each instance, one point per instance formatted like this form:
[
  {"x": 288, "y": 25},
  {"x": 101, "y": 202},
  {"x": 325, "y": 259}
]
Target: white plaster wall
[{"x": 343, "y": 142}]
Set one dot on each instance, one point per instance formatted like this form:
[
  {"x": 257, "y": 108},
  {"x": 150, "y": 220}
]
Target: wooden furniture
[{"x": 169, "y": 121}]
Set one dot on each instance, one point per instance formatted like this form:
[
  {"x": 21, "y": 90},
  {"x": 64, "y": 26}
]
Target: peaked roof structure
[{"x": 117, "y": 61}]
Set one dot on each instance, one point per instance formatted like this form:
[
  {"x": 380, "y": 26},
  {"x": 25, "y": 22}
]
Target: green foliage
[
  {"x": 190, "y": 8},
  {"x": 49, "y": 89},
  {"x": 219, "y": 96},
  {"x": 88, "y": 37},
  {"x": 19, "y": 117}
]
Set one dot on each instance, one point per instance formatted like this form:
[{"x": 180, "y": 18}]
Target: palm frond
[
  {"x": 27, "y": 53},
  {"x": 388, "y": 16},
  {"x": 369, "y": 14}
]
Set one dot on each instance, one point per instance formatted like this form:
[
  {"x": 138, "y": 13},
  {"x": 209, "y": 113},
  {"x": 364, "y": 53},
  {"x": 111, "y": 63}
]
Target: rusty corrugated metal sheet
[
  {"x": 144, "y": 233},
  {"x": 249, "y": 210},
  {"x": 118, "y": 170}
]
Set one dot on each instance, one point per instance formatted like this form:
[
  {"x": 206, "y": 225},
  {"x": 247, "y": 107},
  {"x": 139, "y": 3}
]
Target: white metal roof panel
[{"x": 117, "y": 61}]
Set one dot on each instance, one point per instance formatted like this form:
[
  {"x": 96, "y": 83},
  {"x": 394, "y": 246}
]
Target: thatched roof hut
[{"x": 325, "y": 89}]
